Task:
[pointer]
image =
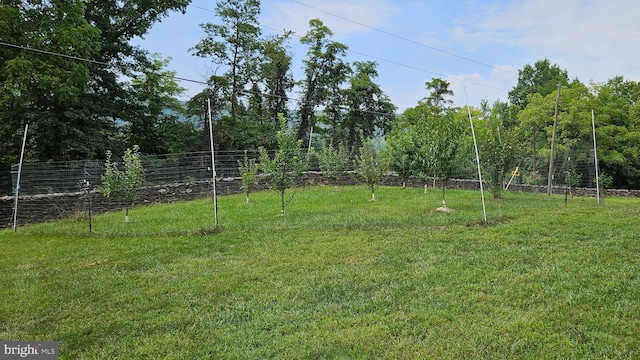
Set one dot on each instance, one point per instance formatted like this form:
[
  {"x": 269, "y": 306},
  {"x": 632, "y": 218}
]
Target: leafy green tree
[
  {"x": 249, "y": 174},
  {"x": 441, "y": 149},
  {"x": 124, "y": 184},
  {"x": 48, "y": 92},
  {"x": 179, "y": 136},
  {"x": 233, "y": 43},
  {"x": 198, "y": 113},
  {"x": 277, "y": 76},
  {"x": 72, "y": 105},
  {"x": 369, "y": 109},
  {"x": 606, "y": 181},
  {"x": 155, "y": 109},
  {"x": 573, "y": 133},
  {"x": 254, "y": 128},
  {"x": 441, "y": 133},
  {"x": 428, "y": 140},
  {"x": 496, "y": 150},
  {"x": 439, "y": 100},
  {"x": 504, "y": 113},
  {"x": 573, "y": 178},
  {"x": 534, "y": 120},
  {"x": 253, "y": 89},
  {"x": 332, "y": 117},
  {"x": 617, "y": 116},
  {"x": 288, "y": 163},
  {"x": 401, "y": 151},
  {"x": 542, "y": 78},
  {"x": 370, "y": 164},
  {"x": 333, "y": 161},
  {"x": 324, "y": 71},
  {"x": 118, "y": 23}
]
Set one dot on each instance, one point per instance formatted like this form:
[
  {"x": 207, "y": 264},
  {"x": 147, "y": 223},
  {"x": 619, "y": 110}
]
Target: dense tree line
[
  {"x": 80, "y": 104},
  {"x": 519, "y": 133},
  {"x": 105, "y": 94}
]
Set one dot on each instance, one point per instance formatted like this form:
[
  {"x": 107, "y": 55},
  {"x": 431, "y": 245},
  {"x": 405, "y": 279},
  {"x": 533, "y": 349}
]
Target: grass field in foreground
[{"x": 337, "y": 277}]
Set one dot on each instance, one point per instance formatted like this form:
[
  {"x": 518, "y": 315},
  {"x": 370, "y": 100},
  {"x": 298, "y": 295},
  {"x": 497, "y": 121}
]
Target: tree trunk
[
  {"x": 126, "y": 214},
  {"x": 282, "y": 202},
  {"x": 444, "y": 185}
]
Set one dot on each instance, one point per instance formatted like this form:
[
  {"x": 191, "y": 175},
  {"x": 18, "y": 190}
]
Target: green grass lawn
[{"x": 337, "y": 277}]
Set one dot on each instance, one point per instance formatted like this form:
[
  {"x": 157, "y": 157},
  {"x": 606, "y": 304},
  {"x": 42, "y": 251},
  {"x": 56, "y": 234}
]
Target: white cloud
[
  {"x": 591, "y": 39},
  {"x": 491, "y": 87}
]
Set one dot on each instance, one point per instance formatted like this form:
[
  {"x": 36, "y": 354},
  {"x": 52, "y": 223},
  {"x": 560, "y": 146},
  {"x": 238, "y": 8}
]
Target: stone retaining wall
[{"x": 39, "y": 208}]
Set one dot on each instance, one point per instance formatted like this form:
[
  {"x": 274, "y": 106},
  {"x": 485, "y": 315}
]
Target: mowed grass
[{"x": 337, "y": 277}]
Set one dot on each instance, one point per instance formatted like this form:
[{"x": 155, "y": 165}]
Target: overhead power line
[
  {"x": 242, "y": 91},
  {"x": 77, "y": 58},
  {"x": 46, "y": 52},
  {"x": 283, "y": 31},
  {"x": 406, "y": 39},
  {"x": 382, "y": 59},
  {"x": 427, "y": 71}
]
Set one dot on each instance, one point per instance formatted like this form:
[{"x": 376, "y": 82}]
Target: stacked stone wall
[{"x": 49, "y": 207}]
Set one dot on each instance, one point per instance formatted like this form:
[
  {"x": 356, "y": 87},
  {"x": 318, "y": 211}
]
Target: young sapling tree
[
  {"x": 288, "y": 163},
  {"x": 439, "y": 150},
  {"x": 124, "y": 184},
  {"x": 249, "y": 173},
  {"x": 333, "y": 161},
  {"x": 441, "y": 133},
  {"x": 496, "y": 146},
  {"x": 369, "y": 165},
  {"x": 401, "y": 153}
]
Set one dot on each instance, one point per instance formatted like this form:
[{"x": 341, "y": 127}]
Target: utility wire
[
  {"x": 248, "y": 92},
  {"x": 428, "y": 71},
  {"x": 405, "y": 39},
  {"x": 402, "y": 65},
  {"x": 77, "y": 58},
  {"x": 242, "y": 91},
  {"x": 282, "y": 31},
  {"x": 386, "y": 60},
  {"x": 46, "y": 52}
]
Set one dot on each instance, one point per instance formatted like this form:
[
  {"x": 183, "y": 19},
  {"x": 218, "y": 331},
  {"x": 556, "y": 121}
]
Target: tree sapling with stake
[
  {"x": 369, "y": 165},
  {"x": 288, "y": 163},
  {"x": 124, "y": 184},
  {"x": 249, "y": 173},
  {"x": 333, "y": 161}
]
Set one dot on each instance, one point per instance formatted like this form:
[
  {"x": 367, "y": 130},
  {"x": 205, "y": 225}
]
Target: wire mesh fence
[
  {"x": 64, "y": 184},
  {"x": 5, "y": 183},
  {"x": 56, "y": 189},
  {"x": 69, "y": 176}
]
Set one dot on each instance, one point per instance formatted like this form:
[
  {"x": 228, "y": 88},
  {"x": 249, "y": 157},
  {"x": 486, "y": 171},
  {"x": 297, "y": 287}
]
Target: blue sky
[{"x": 475, "y": 45}]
